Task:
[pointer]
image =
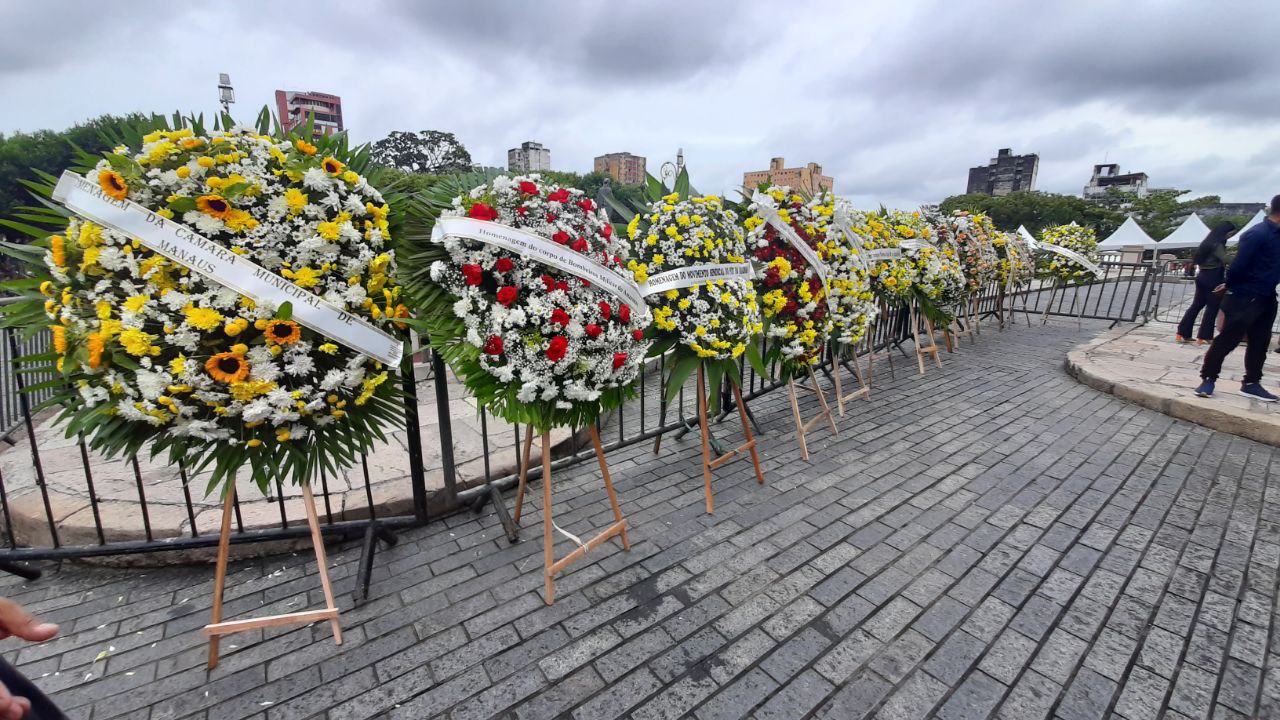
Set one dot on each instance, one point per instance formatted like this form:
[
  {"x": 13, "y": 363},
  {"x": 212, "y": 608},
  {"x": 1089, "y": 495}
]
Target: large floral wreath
[
  {"x": 709, "y": 324},
  {"x": 534, "y": 344},
  {"x": 853, "y": 304},
  {"x": 1073, "y": 237},
  {"x": 972, "y": 236},
  {"x": 150, "y": 351},
  {"x": 1017, "y": 265},
  {"x": 794, "y": 299},
  {"x": 930, "y": 271}
]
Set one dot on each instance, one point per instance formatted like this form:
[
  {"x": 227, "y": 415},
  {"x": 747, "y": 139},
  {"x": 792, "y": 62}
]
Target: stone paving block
[{"x": 913, "y": 699}]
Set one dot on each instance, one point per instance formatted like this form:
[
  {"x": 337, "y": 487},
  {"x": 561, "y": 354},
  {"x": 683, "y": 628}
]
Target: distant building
[
  {"x": 1107, "y": 176},
  {"x": 623, "y": 167},
  {"x": 529, "y": 157},
  {"x": 808, "y": 179},
  {"x": 1006, "y": 173},
  {"x": 295, "y": 108}
]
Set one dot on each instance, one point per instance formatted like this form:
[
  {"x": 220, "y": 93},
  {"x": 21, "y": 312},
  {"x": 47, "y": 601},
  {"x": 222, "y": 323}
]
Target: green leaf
[
  {"x": 680, "y": 373},
  {"x": 756, "y": 361},
  {"x": 180, "y": 205},
  {"x": 715, "y": 373},
  {"x": 654, "y": 187},
  {"x": 285, "y": 311},
  {"x": 682, "y": 184}
]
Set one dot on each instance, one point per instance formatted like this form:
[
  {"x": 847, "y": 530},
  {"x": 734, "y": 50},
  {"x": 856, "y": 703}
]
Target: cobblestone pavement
[{"x": 992, "y": 539}]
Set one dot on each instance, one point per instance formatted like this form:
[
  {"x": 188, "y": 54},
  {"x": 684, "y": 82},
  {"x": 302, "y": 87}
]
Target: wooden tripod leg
[
  {"x": 608, "y": 485},
  {"x": 524, "y": 471},
  {"x": 835, "y": 373},
  {"x": 795, "y": 412},
  {"x": 863, "y": 382},
  {"x": 220, "y": 573},
  {"x": 933, "y": 340},
  {"x": 822, "y": 400},
  {"x": 746, "y": 430},
  {"x": 547, "y": 556},
  {"x": 915, "y": 334},
  {"x": 322, "y": 561},
  {"x": 706, "y": 439}
]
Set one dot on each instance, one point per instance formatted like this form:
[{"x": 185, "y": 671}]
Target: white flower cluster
[
  {"x": 165, "y": 346},
  {"x": 853, "y": 304},
  {"x": 554, "y": 337},
  {"x": 715, "y": 319}
]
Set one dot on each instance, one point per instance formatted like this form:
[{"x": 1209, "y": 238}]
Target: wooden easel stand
[
  {"x": 921, "y": 350},
  {"x": 802, "y": 427},
  {"x": 551, "y": 566},
  {"x": 217, "y": 628},
  {"x": 863, "y": 391},
  {"x": 709, "y": 463}
]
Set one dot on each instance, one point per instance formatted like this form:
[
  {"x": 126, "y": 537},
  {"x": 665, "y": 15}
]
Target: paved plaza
[{"x": 993, "y": 539}]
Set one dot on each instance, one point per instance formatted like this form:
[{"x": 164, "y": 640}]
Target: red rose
[
  {"x": 585, "y": 283},
  {"x": 563, "y": 285},
  {"x": 624, "y": 313},
  {"x": 561, "y": 237},
  {"x": 605, "y": 310},
  {"x": 587, "y": 205},
  {"x": 522, "y": 211},
  {"x": 791, "y": 307},
  {"x": 560, "y": 195},
  {"x": 493, "y": 346},
  {"x": 549, "y": 282},
  {"x": 638, "y": 335},
  {"x": 579, "y": 245},
  {"x": 480, "y": 211},
  {"x": 619, "y": 359},
  {"x": 560, "y": 316},
  {"x": 551, "y": 218},
  {"x": 504, "y": 264},
  {"x": 607, "y": 230},
  {"x": 528, "y": 188},
  {"x": 473, "y": 274},
  {"x": 594, "y": 330},
  {"x": 557, "y": 348},
  {"x": 507, "y": 295}
]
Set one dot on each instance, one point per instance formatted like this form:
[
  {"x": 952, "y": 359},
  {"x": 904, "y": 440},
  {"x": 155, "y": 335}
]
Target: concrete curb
[{"x": 1262, "y": 427}]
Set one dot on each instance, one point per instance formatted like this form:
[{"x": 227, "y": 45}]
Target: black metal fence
[{"x": 57, "y": 500}]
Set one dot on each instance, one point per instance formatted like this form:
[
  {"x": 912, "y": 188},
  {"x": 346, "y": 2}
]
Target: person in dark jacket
[
  {"x": 1249, "y": 305},
  {"x": 1211, "y": 258}
]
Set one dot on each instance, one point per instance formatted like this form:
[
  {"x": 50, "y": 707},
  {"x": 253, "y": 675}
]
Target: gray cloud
[{"x": 896, "y": 101}]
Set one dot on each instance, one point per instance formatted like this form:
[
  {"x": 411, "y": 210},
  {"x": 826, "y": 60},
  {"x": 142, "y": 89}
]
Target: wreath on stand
[{"x": 1064, "y": 269}]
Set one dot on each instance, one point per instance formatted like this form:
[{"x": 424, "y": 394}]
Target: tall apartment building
[
  {"x": 1005, "y": 174},
  {"x": 529, "y": 157},
  {"x": 1108, "y": 175},
  {"x": 294, "y": 107},
  {"x": 808, "y": 179},
  {"x": 623, "y": 167}
]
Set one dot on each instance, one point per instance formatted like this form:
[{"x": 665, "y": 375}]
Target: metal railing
[{"x": 53, "y": 468}]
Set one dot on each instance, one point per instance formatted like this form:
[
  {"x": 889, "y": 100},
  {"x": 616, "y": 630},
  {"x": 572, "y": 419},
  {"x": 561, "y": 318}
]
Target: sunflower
[
  {"x": 227, "y": 367},
  {"x": 332, "y": 166},
  {"x": 214, "y": 205},
  {"x": 283, "y": 332},
  {"x": 96, "y": 345},
  {"x": 112, "y": 184},
  {"x": 304, "y": 147}
]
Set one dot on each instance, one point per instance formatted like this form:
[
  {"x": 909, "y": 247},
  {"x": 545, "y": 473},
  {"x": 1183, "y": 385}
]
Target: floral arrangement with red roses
[{"x": 534, "y": 344}]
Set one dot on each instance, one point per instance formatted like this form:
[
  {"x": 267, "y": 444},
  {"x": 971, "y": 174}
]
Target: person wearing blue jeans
[{"x": 1249, "y": 307}]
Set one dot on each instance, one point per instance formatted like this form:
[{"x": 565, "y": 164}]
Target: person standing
[
  {"x": 1211, "y": 258},
  {"x": 1249, "y": 305}
]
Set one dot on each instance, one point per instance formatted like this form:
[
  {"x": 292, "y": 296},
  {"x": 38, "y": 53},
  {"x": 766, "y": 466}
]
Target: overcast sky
[{"x": 896, "y": 100}]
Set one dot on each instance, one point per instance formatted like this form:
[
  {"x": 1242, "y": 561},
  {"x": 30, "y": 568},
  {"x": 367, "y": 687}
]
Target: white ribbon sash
[
  {"x": 183, "y": 245},
  {"x": 882, "y": 254},
  {"x": 1066, "y": 253},
  {"x": 540, "y": 249},
  {"x": 695, "y": 275}
]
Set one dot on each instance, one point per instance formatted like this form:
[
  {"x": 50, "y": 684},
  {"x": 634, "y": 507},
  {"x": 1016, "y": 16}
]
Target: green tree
[
  {"x": 1037, "y": 211},
  {"x": 50, "y": 151},
  {"x": 427, "y": 151},
  {"x": 1159, "y": 212}
]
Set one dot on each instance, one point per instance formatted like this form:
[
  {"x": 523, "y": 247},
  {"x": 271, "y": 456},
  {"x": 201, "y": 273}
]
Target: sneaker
[
  {"x": 1180, "y": 339},
  {"x": 1202, "y": 341},
  {"x": 1205, "y": 389},
  {"x": 1257, "y": 392}
]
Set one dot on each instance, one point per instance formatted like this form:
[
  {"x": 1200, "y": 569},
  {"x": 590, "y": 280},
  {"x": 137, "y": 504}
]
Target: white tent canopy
[
  {"x": 1235, "y": 239},
  {"x": 1127, "y": 235},
  {"x": 1188, "y": 235}
]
